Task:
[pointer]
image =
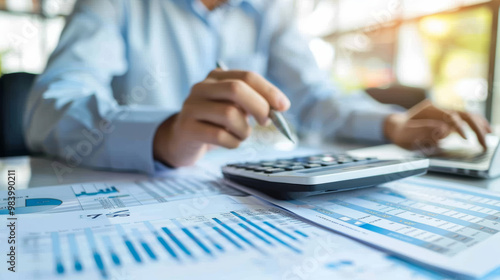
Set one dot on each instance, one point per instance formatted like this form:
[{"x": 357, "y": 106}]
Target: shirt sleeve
[
  {"x": 71, "y": 111},
  {"x": 316, "y": 102}
]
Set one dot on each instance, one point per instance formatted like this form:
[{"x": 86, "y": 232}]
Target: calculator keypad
[{"x": 298, "y": 163}]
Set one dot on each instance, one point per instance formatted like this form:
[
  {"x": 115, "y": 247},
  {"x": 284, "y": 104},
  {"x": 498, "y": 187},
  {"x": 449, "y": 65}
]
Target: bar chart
[
  {"x": 172, "y": 241},
  {"x": 442, "y": 221},
  {"x": 124, "y": 194},
  {"x": 93, "y": 190},
  {"x": 230, "y": 234}
]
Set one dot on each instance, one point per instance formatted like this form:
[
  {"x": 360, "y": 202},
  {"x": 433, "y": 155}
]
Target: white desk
[{"x": 38, "y": 171}]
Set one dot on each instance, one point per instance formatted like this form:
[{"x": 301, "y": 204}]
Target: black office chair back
[{"x": 14, "y": 90}]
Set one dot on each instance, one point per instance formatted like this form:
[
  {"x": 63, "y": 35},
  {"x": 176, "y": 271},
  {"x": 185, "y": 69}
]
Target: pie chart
[{"x": 33, "y": 205}]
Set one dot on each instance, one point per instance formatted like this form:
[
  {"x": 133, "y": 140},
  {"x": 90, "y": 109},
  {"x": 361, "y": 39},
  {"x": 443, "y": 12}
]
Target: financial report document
[
  {"x": 115, "y": 194},
  {"x": 180, "y": 227},
  {"x": 446, "y": 226}
]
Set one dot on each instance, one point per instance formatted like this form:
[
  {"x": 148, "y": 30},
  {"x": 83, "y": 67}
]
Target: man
[{"x": 132, "y": 85}]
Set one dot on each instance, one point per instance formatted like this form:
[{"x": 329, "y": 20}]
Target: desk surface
[{"x": 38, "y": 171}]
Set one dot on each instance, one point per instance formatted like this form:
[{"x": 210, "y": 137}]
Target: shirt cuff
[{"x": 130, "y": 139}]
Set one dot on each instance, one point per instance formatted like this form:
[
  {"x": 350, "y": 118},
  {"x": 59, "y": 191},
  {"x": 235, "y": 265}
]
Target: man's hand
[
  {"x": 216, "y": 113},
  {"x": 424, "y": 125}
]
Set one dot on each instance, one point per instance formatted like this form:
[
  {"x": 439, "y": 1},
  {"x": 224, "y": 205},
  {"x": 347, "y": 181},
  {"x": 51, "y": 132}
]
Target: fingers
[
  {"x": 430, "y": 130},
  {"x": 223, "y": 115},
  {"x": 276, "y": 99},
  {"x": 481, "y": 127},
  {"x": 423, "y": 135},
  {"x": 478, "y": 125},
  {"x": 235, "y": 91},
  {"x": 212, "y": 134},
  {"x": 426, "y": 110},
  {"x": 486, "y": 125},
  {"x": 454, "y": 119}
]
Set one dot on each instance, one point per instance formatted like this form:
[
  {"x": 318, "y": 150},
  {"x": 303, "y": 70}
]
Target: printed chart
[
  {"x": 114, "y": 195},
  {"x": 441, "y": 224},
  {"x": 245, "y": 240}
]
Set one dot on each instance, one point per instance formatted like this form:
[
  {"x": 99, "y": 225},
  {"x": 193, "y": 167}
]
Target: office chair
[{"x": 14, "y": 89}]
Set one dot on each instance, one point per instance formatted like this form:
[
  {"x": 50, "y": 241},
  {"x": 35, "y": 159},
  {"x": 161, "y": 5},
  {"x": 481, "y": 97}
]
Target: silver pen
[{"x": 276, "y": 117}]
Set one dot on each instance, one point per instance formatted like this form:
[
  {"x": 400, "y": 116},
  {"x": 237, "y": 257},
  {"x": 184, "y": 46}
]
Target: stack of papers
[
  {"x": 189, "y": 227},
  {"x": 451, "y": 228}
]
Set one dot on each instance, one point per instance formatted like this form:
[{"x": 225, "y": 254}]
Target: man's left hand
[{"x": 424, "y": 125}]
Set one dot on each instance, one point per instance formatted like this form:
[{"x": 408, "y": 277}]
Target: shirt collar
[
  {"x": 254, "y": 7},
  {"x": 254, "y": 4}
]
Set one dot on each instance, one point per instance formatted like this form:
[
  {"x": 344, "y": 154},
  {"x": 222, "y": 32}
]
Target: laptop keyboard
[{"x": 463, "y": 155}]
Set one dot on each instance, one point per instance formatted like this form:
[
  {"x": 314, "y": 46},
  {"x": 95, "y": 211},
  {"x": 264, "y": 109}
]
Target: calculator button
[
  {"x": 262, "y": 169},
  {"x": 312, "y": 165},
  {"x": 329, "y": 163},
  {"x": 267, "y": 163},
  {"x": 315, "y": 158},
  {"x": 285, "y": 162},
  {"x": 281, "y": 165},
  {"x": 329, "y": 155},
  {"x": 274, "y": 170},
  {"x": 294, "y": 167},
  {"x": 251, "y": 167}
]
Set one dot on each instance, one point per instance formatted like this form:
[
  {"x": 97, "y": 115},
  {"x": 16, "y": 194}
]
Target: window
[
  {"x": 439, "y": 45},
  {"x": 449, "y": 54}
]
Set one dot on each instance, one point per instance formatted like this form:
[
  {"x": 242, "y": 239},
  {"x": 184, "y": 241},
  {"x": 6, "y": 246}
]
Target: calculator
[{"x": 291, "y": 178}]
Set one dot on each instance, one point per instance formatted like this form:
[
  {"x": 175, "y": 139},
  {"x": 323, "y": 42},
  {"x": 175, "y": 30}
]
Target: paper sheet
[
  {"x": 114, "y": 194},
  {"x": 214, "y": 237},
  {"x": 446, "y": 226}
]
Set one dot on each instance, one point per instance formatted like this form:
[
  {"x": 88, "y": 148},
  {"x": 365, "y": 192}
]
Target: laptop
[{"x": 454, "y": 156}]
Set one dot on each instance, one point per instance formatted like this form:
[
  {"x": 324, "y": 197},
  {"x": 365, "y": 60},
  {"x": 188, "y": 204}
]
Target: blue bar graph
[
  {"x": 232, "y": 241},
  {"x": 255, "y": 234},
  {"x": 177, "y": 241},
  {"x": 74, "y": 251},
  {"x": 111, "y": 189},
  {"x": 431, "y": 214},
  {"x": 144, "y": 244},
  {"x": 196, "y": 240},
  {"x": 95, "y": 253},
  {"x": 56, "y": 251},
  {"x": 193, "y": 237},
  {"x": 105, "y": 249},
  {"x": 280, "y": 230},
  {"x": 209, "y": 238},
  {"x": 241, "y": 237},
  {"x": 129, "y": 244},
  {"x": 109, "y": 245},
  {"x": 301, "y": 233},
  {"x": 162, "y": 241},
  {"x": 452, "y": 235},
  {"x": 267, "y": 233}
]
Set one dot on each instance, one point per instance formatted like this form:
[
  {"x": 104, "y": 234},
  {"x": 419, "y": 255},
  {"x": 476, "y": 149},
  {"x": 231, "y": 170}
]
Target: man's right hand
[{"x": 216, "y": 113}]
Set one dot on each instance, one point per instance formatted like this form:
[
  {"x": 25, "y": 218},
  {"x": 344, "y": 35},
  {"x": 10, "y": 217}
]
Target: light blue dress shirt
[{"x": 124, "y": 66}]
